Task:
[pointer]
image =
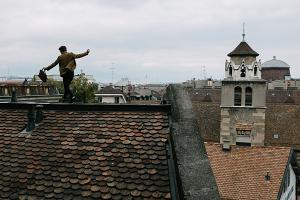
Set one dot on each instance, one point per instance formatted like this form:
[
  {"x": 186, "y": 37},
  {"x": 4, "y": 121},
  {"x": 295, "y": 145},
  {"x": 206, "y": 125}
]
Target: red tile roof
[
  {"x": 240, "y": 172},
  {"x": 85, "y": 155},
  {"x": 12, "y": 121}
]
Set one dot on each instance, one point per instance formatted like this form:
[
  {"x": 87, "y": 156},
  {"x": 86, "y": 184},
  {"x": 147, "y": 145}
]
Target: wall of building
[
  {"x": 275, "y": 73},
  {"x": 110, "y": 99},
  {"x": 258, "y": 92},
  {"x": 201, "y": 95},
  {"x": 23, "y": 90},
  {"x": 273, "y": 96},
  {"x": 251, "y": 118},
  {"x": 282, "y": 123},
  {"x": 248, "y": 60},
  {"x": 290, "y": 191},
  {"x": 208, "y": 118}
]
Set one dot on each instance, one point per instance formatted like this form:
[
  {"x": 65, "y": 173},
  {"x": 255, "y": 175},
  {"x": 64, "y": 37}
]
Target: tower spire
[{"x": 243, "y": 32}]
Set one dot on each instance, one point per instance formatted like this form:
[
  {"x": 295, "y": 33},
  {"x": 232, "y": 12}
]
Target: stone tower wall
[{"x": 252, "y": 118}]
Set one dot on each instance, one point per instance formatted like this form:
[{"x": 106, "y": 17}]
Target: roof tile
[
  {"x": 82, "y": 155},
  {"x": 240, "y": 173}
]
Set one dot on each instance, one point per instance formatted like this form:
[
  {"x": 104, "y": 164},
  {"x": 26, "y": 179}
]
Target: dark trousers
[{"x": 67, "y": 79}]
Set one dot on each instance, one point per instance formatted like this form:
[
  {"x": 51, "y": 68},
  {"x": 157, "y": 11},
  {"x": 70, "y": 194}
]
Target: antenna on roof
[{"x": 243, "y": 32}]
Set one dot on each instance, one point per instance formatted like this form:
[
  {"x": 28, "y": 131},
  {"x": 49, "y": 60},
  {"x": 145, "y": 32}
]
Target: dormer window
[{"x": 237, "y": 96}]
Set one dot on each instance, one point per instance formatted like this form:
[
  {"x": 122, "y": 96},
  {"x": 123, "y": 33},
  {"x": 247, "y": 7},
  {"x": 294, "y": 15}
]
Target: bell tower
[{"x": 243, "y": 100}]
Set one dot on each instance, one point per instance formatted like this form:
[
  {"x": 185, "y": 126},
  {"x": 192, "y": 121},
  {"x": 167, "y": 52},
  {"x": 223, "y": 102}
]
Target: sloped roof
[
  {"x": 12, "y": 121},
  {"x": 110, "y": 90},
  {"x": 243, "y": 49},
  {"x": 84, "y": 155},
  {"x": 240, "y": 172}
]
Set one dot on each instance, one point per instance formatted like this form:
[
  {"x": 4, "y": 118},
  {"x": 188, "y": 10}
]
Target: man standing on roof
[{"x": 67, "y": 65}]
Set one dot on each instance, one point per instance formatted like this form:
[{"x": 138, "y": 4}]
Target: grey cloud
[{"x": 168, "y": 40}]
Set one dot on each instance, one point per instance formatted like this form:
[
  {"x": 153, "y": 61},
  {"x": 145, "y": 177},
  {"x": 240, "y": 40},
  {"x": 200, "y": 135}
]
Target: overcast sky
[{"x": 145, "y": 40}]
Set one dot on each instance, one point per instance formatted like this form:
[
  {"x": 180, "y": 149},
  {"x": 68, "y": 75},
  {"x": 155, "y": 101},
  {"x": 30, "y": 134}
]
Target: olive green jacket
[{"x": 66, "y": 61}]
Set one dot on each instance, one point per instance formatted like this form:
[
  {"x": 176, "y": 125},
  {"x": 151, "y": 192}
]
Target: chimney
[
  {"x": 226, "y": 145},
  {"x": 31, "y": 119},
  {"x": 39, "y": 114},
  {"x": 13, "y": 96}
]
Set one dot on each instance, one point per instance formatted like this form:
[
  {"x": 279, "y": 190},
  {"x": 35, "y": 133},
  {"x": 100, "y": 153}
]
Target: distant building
[
  {"x": 55, "y": 77},
  {"x": 207, "y": 83},
  {"x": 109, "y": 94},
  {"x": 123, "y": 82},
  {"x": 52, "y": 77},
  {"x": 275, "y": 70},
  {"x": 25, "y": 88}
]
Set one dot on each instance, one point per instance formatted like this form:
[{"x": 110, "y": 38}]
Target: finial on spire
[{"x": 243, "y": 32}]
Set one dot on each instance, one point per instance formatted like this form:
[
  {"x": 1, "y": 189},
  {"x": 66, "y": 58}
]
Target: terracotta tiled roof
[
  {"x": 206, "y": 95},
  {"x": 283, "y": 125},
  {"x": 240, "y": 172},
  {"x": 12, "y": 121},
  {"x": 243, "y": 49},
  {"x": 85, "y": 155}
]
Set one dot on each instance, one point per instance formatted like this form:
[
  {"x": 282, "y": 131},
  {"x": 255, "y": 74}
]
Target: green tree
[{"x": 83, "y": 90}]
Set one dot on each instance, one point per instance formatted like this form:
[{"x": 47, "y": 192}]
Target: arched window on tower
[
  {"x": 248, "y": 96},
  {"x": 237, "y": 96},
  {"x": 255, "y": 71},
  {"x": 243, "y": 71},
  {"x": 230, "y": 70}
]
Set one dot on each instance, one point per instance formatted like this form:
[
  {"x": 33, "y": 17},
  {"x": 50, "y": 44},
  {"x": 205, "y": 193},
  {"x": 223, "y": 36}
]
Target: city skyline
[{"x": 145, "y": 41}]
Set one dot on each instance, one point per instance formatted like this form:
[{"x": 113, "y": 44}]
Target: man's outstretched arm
[
  {"x": 52, "y": 65},
  {"x": 82, "y": 54}
]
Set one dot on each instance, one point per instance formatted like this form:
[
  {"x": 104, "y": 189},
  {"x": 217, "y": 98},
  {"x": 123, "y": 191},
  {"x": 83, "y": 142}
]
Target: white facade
[
  {"x": 242, "y": 69},
  {"x": 110, "y": 98},
  {"x": 289, "y": 188}
]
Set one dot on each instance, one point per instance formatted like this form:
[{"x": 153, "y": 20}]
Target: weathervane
[{"x": 243, "y": 32}]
